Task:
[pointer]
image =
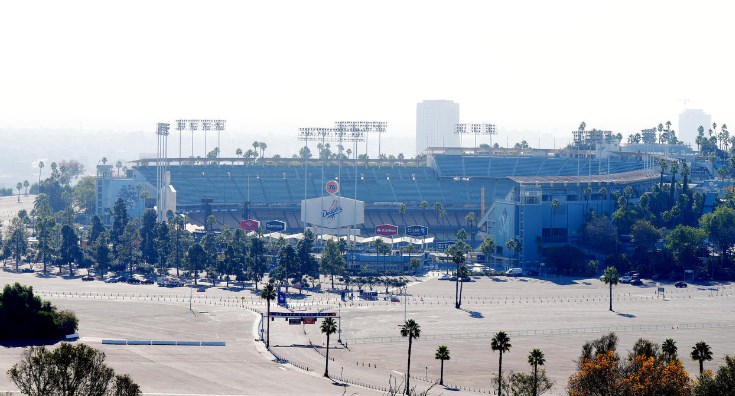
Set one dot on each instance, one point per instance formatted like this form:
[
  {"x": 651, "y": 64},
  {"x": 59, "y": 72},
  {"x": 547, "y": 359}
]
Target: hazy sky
[{"x": 535, "y": 68}]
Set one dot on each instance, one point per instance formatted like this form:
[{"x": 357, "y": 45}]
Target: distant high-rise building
[
  {"x": 689, "y": 122},
  {"x": 436, "y": 122}
]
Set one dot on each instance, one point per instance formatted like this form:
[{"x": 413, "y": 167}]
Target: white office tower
[
  {"x": 689, "y": 122},
  {"x": 436, "y": 122}
]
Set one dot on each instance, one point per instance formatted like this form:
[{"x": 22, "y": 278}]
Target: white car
[{"x": 444, "y": 277}]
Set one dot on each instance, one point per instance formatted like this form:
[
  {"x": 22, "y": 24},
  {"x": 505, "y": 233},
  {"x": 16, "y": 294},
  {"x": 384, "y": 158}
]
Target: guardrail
[{"x": 156, "y": 342}]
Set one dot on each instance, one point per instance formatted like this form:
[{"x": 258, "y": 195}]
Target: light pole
[
  {"x": 339, "y": 323},
  {"x": 161, "y": 159},
  {"x": 476, "y": 129}
]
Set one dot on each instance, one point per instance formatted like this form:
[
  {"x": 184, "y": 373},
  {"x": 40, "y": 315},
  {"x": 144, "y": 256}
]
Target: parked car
[
  {"x": 680, "y": 284},
  {"x": 147, "y": 281},
  {"x": 27, "y": 270},
  {"x": 625, "y": 279},
  {"x": 133, "y": 280},
  {"x": 636, "y": 282},
  {"x": 112, "y": 279},
  {"x": 514, "y": 272},
  {"x": 394, "y": 299},
  {"x": 444, "y": 277},
  {"x": 87, "y": 278}
]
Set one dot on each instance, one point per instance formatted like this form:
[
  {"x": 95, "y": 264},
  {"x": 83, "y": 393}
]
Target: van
[{"x": 514, "y": 272}]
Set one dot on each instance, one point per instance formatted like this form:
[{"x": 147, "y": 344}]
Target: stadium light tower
[
  {"x": 476, "y": 129},
  {"x": 219, "y": 126},
  {"x": 181, "y": 127},
  {"x": 193, "y": 126},
  {"x": 206, "y": 126},
  {"x": 161, "y": 159}
]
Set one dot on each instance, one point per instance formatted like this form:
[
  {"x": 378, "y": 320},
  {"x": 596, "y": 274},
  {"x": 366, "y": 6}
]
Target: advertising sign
[
  {"x": 443, "y": 245},
  {"x": 250, "y": 225},
  {"x": 386, "y": 230},
  {"x": 308, "y": 320},
  {"x": 281, "y": 298},
  {"x": 332, "y": 211},
  {"x": 275, "y": 226},
  {"x": 417, "y": 231},
  {"x": 332, "y": 187}
]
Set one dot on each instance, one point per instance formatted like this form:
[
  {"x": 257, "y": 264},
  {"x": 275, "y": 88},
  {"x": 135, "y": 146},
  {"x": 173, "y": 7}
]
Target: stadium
[{"x": 509, "y": 190}]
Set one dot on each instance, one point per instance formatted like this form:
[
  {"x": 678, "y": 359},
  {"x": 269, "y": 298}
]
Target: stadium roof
[{"x": 637, "y": 176}]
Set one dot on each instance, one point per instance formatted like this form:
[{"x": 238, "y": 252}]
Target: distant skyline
[{"x": 536, "y": 69}]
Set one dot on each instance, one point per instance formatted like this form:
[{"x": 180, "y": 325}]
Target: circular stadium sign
[{"x": 332, "y": 187}]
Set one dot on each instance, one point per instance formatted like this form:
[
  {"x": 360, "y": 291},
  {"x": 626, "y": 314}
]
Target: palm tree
[
  {"x": 238, "y": 152},
  {"x": 603, "y": 195},
  {"x": 535, "y": 359},
  {"x": 442, "y": 354},
  {"x": 669, "y": 349},
  {"x": 329, "y": 327},
  {"x": 438, "y": 209},
  {"x": 554, "y": 206},
  {"x": 269, "y": 292},
  {"x": 587, "y": 194},
  {"x": 25, "y": 185},
  {"x": 402, "y": 210},
  {"x": 262, "y": 146},
  {"x": 610, "y": 277},
  {"x": 424, "y": 205},
  {"x": 701, "y": 351},
  {"x": 412, "y": 330},
  {"x": 118, "y": 165},
  {"x": 40, "y": 168},
  {"x": 664, "y": 165},
  {"x": 19, "y": 186},
  {"x": 471, "y": 219},
  {"x": 500, "y": 343}
]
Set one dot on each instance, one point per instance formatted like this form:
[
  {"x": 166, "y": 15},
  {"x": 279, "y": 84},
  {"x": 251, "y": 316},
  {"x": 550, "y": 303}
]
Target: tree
[
  {"x": 610, "y": 277},
  {"x": 40, "y": 168},
  {"x": 701, "y": 352},
  {"x": 24, "y": 316},
  {"x": 148, "y": 237},
  {"x": 683, "y": 242},
  {"x": 720, "y": 225},
  {"x": 669, "y": 350},
  {"x": 69, "y": 370},
  {"x": 19, "y": 186},
  {"x": 487, "y": 247},
  {"x": 17, "y": 240},
  {"x": 442, "y": 354},
  {"x": 412, "y": 330},
  {"x": 664, "y": 165},
  {"x": 536, "y": 358},
  {"x": 333, "y": 262},
  {"x": 328, "y": 327},
  {"x": 196, "y": 259},
  {"x": 84, "y": 193},
  {"x": 458, "y": 252},
  {"x": 722, "y": 384},
  {"x": 119, "y": 222},
  {"x": 500, "y": 343},
  {"x": 269, "y": 293},
  {"x": 26, "y": 185},
  {"x": 44, "y": 249},
  {"x": 471, "y": 219},
  {"x": 645, "y": 235},
  {"x": 69, "y": 251}
]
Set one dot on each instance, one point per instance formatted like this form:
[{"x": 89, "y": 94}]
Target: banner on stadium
[
  {"x": 386, "y": 230},
  {"x": 332, "y": 211},
  {"x": 250, "y": 225}
]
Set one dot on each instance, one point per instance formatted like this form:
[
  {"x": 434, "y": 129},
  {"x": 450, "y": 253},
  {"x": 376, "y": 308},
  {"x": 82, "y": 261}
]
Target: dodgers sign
[
  {"x": 417, "y": 231},
  {"x": 332, "y": 211}
]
